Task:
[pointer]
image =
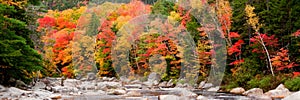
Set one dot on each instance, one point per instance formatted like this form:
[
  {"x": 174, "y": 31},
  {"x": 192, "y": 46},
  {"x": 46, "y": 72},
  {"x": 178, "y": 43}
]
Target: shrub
[{"x": 293, "y": 84}]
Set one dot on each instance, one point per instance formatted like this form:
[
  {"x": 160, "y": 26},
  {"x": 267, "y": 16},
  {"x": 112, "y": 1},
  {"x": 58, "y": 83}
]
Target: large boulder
[
  {"x": 294, "y": 96},
  {"x": 279, "y": 92}
]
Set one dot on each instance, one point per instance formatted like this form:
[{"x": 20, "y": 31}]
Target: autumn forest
[{"x": 246, "y": 43}]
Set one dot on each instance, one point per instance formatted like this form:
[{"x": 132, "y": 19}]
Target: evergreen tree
[{"x": 18, "y": 59}]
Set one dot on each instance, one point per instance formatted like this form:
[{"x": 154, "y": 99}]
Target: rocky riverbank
[{"x": 92, "y": 88}]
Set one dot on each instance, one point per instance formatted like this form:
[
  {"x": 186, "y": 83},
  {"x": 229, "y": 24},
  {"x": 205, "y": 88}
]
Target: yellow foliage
[
  {"x": 252, "y": 18},
  {"x": 19, "y": 4}
]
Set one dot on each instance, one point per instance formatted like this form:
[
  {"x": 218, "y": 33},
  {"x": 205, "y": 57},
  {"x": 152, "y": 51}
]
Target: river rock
[
  {"x": 118, "y": 92},
  {"x": 207, "y": 85},
  {"x": 39, "y": 85},
  {"x": 55, "y": 96},
  {"x": 168, "y": 97},
  {"x": 260, "y": 97},
  {"x": 17, "y": 92},
  {"x": 153, "y": 79},
  {"x": 133, "y": 86},
  {"x": 200, "y": 97},
  {"x": 216, "y": 88},
  {"x": 42, "y": 93},
  {"x": 293, "y": 96},
  {"x": 134, "y": 94},
  {"x": 187, "y": 93},
  {"x": 72, "y": 82},
  {"x": 238, "y": 90},
  {"x": 2, "y": 88},
  {"x": 202, "y": 83},
  {"x": 91, "y": 76},
  {"x": 279, "y": 92},
  {"x": 88, "y": 86},
  {"x": 170, "y": 83},
  {"x": 99, "y": 92},
  {"x": 108, "y": 85},
  {"x": 254, "y": 92},
  {"x": 162, "y": 84}
]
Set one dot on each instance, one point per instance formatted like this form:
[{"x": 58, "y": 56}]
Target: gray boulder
[
  {"x": 279, "y": 92},
  {"x": 294, "y": 96}
]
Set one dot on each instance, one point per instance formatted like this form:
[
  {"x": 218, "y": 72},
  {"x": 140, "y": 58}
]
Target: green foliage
[
  {"x": 17, "y": 57},
  {"x": 293, "y": 84},
  {"x": 163, "y": 7},
  {"x": 63, "y": 4}
]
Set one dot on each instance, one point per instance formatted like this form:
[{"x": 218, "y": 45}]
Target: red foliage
[
  {"x": 295, "y": 74},
  {"x": 236, "y": 48},
  {"x": 268, "y": 40},
  {"x": 233, "y": 35},
  {"x": 46, "y": 22},
  {"x": 237, "y": 62},
  {"x": 281, "y": 60},
  {"x": 296, "y": 34}
]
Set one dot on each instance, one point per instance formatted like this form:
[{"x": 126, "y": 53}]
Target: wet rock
[
  {"x": 294, "y": 96},
  {"x": 162, "y": 84},
  {"x": 200, "y": 97},
  {"x": 99, "y": 92},
  {"x": 170, "y": 83},
  {"x": 279, "y": 92},
  {"x": 91, "y": 76},
  {"x": 137, "y": 86},
  {"x": 42, "y": 93},
  {"x": 214, "y": 88},
  {"x": 109, "y": 85},
  {"x": 124, "y": 79},
  {"x": 55, "y": 96},
  {"x": 179, "y": 85},
  {"x": 54, "y": 81},
  {"x": 207, "y": 85},
  {"x": 2, "y": 88},
  {"x": 39, "y": 85},
  {"x": 238, "y": 90},
  {"x": 254, "y": 92},
  {"x": 72, "y": 82},
  {"x": 182, "y": 92},
  {"x": 56, "y": 89},
  {"x": 134, "y": 94},
  {"x": 260, "y": 97},
  {"x": 118, "y": 92},
  {"x": 135, "y": 98},
  {"x": 187, "y": 93},
  {"x": 136, "y": 82},
  {"x": 168, "y": 97},
  {"x": 17, "y": 92},
  {"x": 153, "y": 79},
  {"x": 202, "y": 83}
]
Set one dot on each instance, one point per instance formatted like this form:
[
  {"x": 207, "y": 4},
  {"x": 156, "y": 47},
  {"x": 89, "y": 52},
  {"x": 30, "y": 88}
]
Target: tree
[{"x": 18, "y": 59}]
